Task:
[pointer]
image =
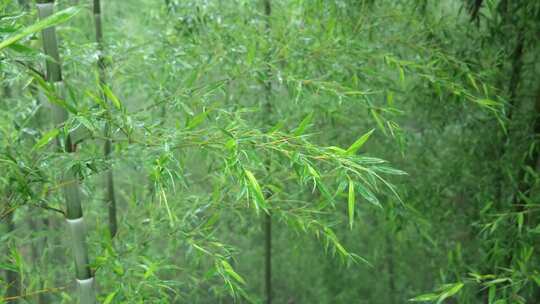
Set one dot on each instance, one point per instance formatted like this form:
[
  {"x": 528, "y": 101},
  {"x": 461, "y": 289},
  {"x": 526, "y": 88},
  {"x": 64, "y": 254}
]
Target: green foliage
[
  {"x": 361, "y": 92},
  {"x": 55, "y": 19}
]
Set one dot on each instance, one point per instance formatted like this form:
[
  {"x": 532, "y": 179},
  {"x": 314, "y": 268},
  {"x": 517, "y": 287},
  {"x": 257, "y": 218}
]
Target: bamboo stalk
[
  {"x": 268, "y": 216},
  {"x": 109, "y": 178},
  {"x": 74, "y": 213},
  {"x": 268, "y": 257},
  {"x": 12, "y": 277},
  {"x": 390, "y": 266}
]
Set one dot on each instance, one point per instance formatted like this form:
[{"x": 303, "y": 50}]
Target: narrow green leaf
[
  {"x": 473, "y": 82},
  {"x": 211, "y": 221},
  {"x": 230, "y": 271},
  {"x": 337, "y": 150},
  {"x": 19, "y": 48},
  {"x": 389, "y": 170},
  {"x": 10, "y": 267},
  {"x": 87, "y": 123},
  {"x": 487, "y": 102},
  {"x": 110, "y": 95},
  {"x": 110, "y": 297},
  {"x": 425, "y": 297},
  {"x": 46, "y": 138},
  {"x": 359, "y": 143},
  {"x": 53, "y": 20},
  {"x": 497, "y": 281},
  {"x": 390, "y": 98},
  {"x": 450, "y": 291},
  {"x": 197, "y": 120},
  {"x": 98, "y": 100},
  {"x": 368, "y": 195},
  {"x": 303, "y": 125},
  {"x": 401, "y": 76},
  {"x": 378, "y": 120},
  {"x": 536, "y": 279},
  {"x": 351, "y": 203},
  {"x": 256, "y": 188}
]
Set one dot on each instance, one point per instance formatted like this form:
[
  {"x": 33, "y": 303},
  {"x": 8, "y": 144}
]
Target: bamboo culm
[
  {"x": 12, "y": 277},
  {"x": 110, "y": 197},
  {"x": 72, "y": 193},
  {"x": 267, "y": 226}
]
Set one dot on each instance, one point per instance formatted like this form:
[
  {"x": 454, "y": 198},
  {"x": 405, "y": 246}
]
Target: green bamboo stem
[
  {"x": 109, "y": 178},
  {"x": 72, "y": 193},
  {"x": 50, "y": 47},
  {"x": 268, "y": 257},
  {"x": 268, "y": 216},
  {"x": 12, "y": 277}
]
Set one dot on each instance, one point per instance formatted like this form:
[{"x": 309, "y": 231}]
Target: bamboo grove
[{"x": 269, "y": 151}]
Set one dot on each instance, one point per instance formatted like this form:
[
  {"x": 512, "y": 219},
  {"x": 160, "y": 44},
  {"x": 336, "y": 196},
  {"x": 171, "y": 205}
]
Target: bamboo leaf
[
  {"x": 401, "y": 75},
  {"x": 359, "y": 143},
  {"x": 197, "y": 120},
  {"x": 390, "y": 98},
  {"x": 110, "y": 297},
  {"x": 389, "y": 170},
  {"x": 520, "y": 219},
  {"x": 256, "y": 188},
  {"x": 303, "y": 125},
  {"x": 87, "y": 123},
  {"x": 110, "y": 95},
  {"x": 46, "y": 138},
  {"x": 425, "y": 297},
  {"x": 57, "y": 18},
  {"x": 351, "y": 204},
  {"x": 487, "y": 102},
  {"x": 337, "y": 150},
  {"x": 444, "y": 293},
  {"x": 230, "y": 271},
  {"x": 378, "y": 120},
  {"x": 450, "y": 291},
  {"x": 368, "y": 195},
  {"x": 473, "y": 82}
]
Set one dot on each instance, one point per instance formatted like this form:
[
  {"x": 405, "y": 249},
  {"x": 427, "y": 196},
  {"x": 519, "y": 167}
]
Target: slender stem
[
  {"x": 72, "y": 192},
  {"x": 268, "y": 112},
  {"x": 390, "y": 267},
  {"x": 109, "y": 178},
  {"x": 268, "y": 257},
  {"x": 474, "y": 9},
  {"x": 515, "y": 78},
  {"x": 12, "y": 277},
  {"x": 50, "y": 46},
  {"x": 111, "y": 199}
]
